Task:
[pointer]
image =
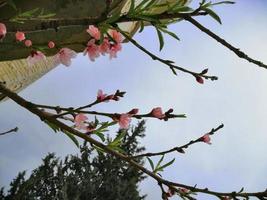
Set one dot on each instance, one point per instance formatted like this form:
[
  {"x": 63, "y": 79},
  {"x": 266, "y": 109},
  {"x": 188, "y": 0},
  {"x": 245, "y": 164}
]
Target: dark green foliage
[{"x": 87, "y": 176}]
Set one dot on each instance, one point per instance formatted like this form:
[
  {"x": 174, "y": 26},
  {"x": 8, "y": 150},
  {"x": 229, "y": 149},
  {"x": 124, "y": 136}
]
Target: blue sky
[{"x": 237, "y": 157}]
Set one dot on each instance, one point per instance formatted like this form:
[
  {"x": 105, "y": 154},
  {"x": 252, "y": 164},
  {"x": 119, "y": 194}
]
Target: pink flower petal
[
  {"x": 157, "y": 113},
  {"x": 65, "y": 55},
  {"x": 124, "y": 121},
  {"x": 94, "y": 32}
]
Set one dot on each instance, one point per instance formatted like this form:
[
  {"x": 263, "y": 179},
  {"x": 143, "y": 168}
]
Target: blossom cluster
[{"x": 110, "y": 44}]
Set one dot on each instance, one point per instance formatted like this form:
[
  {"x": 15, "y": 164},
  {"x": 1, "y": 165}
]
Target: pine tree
[{"x": 87, "y": 176}]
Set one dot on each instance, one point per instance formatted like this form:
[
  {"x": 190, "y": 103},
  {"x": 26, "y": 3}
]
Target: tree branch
[
  {"x": 237, "y": 51},
  {"x": 179, "y": 149},
  {"x": 172, "y": 185},
  {"x": 10, "y": 131},
  {"x": 166, "y": 62}
]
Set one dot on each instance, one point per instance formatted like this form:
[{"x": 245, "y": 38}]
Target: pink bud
[
  {"x": 133, "y": 111},
  {"x": 28, "y": 43},
  {"x": 20, "y": 36},
  {"x": 206, "y": 138},
  {"x": 2, "y": 30},
  {"x": 157, "y": 113},
  {"x": 51, "y": 44},
  {"x": 101, "y": 96},
  {"x": 199, "y": 79}
]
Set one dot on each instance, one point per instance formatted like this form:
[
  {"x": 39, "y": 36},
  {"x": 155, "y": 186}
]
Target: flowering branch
[
  {"x": 205, "y": 138},
  {"x": 174, "y": 187},
  {"x": 10, "y": 131}
]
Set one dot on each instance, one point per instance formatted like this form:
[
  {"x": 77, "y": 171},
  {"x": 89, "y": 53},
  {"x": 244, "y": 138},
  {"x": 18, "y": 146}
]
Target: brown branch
[
  {"x": 172, "y": 185},
  {"x": 166, "y": 62},
  {"x": 237, "y": 51},
  {"x": 56, "y": 23},
  {"x": 110, "y": 115},
  {"x": 10, "y": 131},
  {"x": 179, "y": 149}
]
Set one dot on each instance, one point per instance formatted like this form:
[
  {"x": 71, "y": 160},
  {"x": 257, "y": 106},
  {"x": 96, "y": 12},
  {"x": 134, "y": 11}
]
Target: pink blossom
[
  {"x": 20, "y": 36},
  {"x": 157, "y": 113},
  {"x": 94, "y": 32},
  {"x": 79, "y": 121},
  {"x": 92, "y": 50},
  {"x": 51, "y": 44},
  {"x": 65, "y": 55},
  {"x": 124, "y": 121},
  {"x": 183, "y": 190},
  {"x": 2, "y": 30},
  {"x": 104, "y": 47},
  {"x": 35, "y": 57},
  {"x": 100, "y": 95},
  {"x": 116, "y": 36},
  {"x": 114, "y": 50},
  {"x": 28, "y": 43},
  {"x": 206, "y": 138}
]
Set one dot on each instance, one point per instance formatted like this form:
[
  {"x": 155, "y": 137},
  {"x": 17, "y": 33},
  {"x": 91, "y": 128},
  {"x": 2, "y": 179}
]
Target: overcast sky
[{"x": 237, "y": 157}]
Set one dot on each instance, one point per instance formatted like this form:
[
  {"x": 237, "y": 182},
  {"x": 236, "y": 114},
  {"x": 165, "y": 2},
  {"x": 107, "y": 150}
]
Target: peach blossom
[
  {"x": 2, "y": 30},
  {"x": 100, "y": 95},
  {"x": 92, "y": 50},
  {"x": 114, "y": 50},
  {"x": 35, "y": 57},
  {"x": 65, "y": 55},
  {"x": 124, "y": 121},
  {"x": 116, "y": 36},
  {"x": 94, "y": 32},
  {"x": 79, "y": 121}
]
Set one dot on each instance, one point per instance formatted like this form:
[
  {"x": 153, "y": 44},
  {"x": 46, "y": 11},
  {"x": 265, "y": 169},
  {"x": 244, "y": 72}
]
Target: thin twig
[
  {"x": 166, "y": 62},
  {"x": 179, "y": 149},
  {"x": 237, "y": 51},
  {"x": 13, "y": 130}
]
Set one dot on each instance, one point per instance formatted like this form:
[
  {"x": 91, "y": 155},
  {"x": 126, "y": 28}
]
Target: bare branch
[{"x": 237, "y": 51}]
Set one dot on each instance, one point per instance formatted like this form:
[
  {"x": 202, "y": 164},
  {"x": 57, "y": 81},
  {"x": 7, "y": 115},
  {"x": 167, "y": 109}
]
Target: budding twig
[
  {"x": 179, "y": 149},
  {"x": 166, "y": 62}
]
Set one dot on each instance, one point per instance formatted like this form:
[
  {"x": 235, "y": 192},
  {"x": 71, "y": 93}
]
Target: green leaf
[
  {"x": 161, "y": 39},
  {"x": 151, "y": 163},
  {"x": 72, "y": 137},
  {"x": 165, "y": 165},
  {"x": 131, "y": 9},
  {"x": 171, "y": 34},
  {"x": 113, "y": 18},
  {"x": 47, "y": 15},
  {"x": 29, "y": 13},
  {"x": 140, "y": 5},
  {"x": 100, "y": 135},
  {"x": 117, "y": 140},
  {"x": 213, "y": 15},
  {"x": 159, "y": 162},
  {"x": 52, "y": 126},
  {"x": 223, "y": 2}
]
